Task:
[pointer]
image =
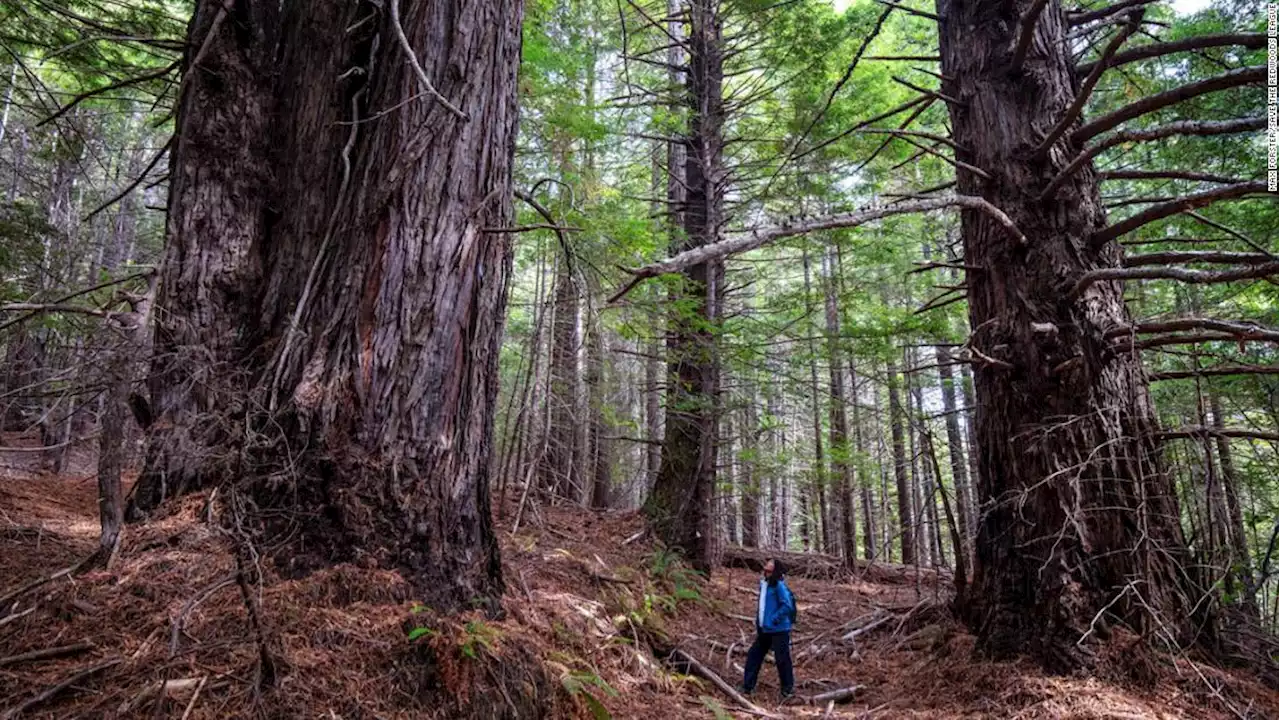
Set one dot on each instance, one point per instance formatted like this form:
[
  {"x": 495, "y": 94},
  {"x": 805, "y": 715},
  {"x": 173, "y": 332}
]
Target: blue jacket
[{"x": 779, "y": 604}]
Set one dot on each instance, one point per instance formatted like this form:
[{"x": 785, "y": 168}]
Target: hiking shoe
[
  {"x": 744, "y": 689},
  {"x": 787, "y": 695}
]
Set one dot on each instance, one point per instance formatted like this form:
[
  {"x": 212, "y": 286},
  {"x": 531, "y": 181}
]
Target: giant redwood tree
[
  {"x": 1079, "y": 516},
  {"x": 384, "y": 257}
]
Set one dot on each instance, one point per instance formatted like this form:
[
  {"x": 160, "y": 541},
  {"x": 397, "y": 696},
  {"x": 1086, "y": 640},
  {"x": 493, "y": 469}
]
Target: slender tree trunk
[
  {"x": 681, "y": 499},
  {"x": 1230, "y": 483},
  {"x": 601, "y": 456},
  {"x": 906, "y": 508},
  {"x": 840, "y": 449},
  {"x": 955, "y": 448},
  {"x": 748, "y": 478},
  {"x": 1082, "y": 521},
  {"x": 728, "y": 486},
  {"x": 819, "y": 466}
]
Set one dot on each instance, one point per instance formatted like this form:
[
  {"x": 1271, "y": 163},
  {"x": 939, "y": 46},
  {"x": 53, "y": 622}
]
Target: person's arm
[{"x": 785, "y": 603}]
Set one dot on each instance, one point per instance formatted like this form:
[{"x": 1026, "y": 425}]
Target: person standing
[{"x": 775, "y": 612}]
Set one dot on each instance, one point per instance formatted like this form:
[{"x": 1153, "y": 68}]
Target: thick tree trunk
[
  {"x": 906, "y": 508},
  {"x": 391, "y": 378},
  {"x": 219, "y": 170},
  {"x": 1081, "y": 516},
  {"x": 681, "y": 500}
]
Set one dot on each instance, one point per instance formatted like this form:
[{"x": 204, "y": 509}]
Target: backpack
[{"x": 795, "y": 605}]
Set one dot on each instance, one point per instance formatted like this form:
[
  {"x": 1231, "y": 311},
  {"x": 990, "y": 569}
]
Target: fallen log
[
  {"x": 683, "y": 658},
  {"x": 72, "y": 680},
  {"x": 817, "y": 566},
  {"x": 46, "y": 653},
  {"x": 842, "y": 695}
]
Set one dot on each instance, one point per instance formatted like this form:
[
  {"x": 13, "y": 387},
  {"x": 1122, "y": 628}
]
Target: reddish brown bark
[{"x": 1078, "y": 513}]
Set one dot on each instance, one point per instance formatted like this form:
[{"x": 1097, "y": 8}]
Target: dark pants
[{"x": 780, "y": 644}]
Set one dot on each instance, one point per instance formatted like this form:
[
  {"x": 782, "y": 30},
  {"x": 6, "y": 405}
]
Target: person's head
[{"x": 772, "y": 570}]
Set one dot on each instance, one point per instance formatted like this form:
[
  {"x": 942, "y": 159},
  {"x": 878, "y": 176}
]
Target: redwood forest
[{"x": 639, "y": 358}]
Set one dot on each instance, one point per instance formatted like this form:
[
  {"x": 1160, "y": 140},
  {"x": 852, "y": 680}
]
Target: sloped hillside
[{"x": 598, "y": 623}]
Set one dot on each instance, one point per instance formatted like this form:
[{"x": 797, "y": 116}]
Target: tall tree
[
  {"x": 681, "y": 498},
  {"x": 1081, "y": 508}
]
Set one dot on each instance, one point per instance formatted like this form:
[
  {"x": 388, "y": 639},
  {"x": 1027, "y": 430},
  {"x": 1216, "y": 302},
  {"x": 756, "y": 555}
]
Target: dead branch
[
  {"x": 136, "y": 181},
  {"x": 161, "y": 689},
  {"x": 910, "y": 10},
  {"x": 1251, "y": 41},
  {"x": 126, "y": 82},
  {"x": 853, "y": 635},
  {"x": 1184, "y": 339},
  {"x": 913, "y": 133},
  {"x": 746, "y": 241},
  {"x": 1084, "y": 18},
  {"x": 887, "y": 114},
  {"x": 1086, "y": 88},
  {"x": 1182, "y": 127},
  {"x": 1247, "y": 331},
  {"x": 958, "y": 164},
  {"x": 1151, "y": 103},
  {"x": 46, "y": 653},
  {"x": 927, "y": 91},
  {"x": 682, "y": 657},
  {"x": 1167, "y": 175},
  {"x": 55, "y": 308},
  {"x": 38, "y": 582},
  {"x": 1183, "y": 204},
  {"x": 71, "y": 680},
  {"x": 1199, "y": 432},
  {"x": 905, "y": 58},
  {"x": 1026, "y": 32},
  {"x": 1199, "y": 277},
  {"x": 1213, "y": 372},
  {"x": 1174, "y": 257},
  {"x": 842, "y": 695}
]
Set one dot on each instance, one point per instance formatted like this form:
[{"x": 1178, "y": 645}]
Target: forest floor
[{"x": 587, "y": 593}]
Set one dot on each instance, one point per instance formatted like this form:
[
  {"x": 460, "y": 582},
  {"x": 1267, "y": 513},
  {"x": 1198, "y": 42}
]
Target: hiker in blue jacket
[{"x": 775, "y": 610}]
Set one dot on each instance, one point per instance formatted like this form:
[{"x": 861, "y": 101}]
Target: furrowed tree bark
[
  {"x": 1076, "y": 505},
  {"x": 391, "y": 381},
  {"x": 219, "y": 170},
  {"x": 679, "y": 507}
]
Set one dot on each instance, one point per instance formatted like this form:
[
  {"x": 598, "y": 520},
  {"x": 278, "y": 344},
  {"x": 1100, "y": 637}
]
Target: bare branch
[
  {"x": 55, "y": 308},
  {"x": 951, "y": 161},
  {"x": 1026, "y": 33},
  {"x": 1084, "y": 18},
  {"x": 927, "y": 91},
  {"x": 1182, "y": 127},
  {"x": 910, "y": 10},
  {"x": 1243, "y": 330},
  {"x": 1213, "y": 372},
  {"x": 1230, "y": 79},
  {"x": 1176, "y": 339},
  {"x": 90, "y": 94},
  {"x": 912, "y": 133},
  {"x": 1086, "y": 88},
  {"x": 746, "y": 241},
  {"x": 886, "y": 114},
  {"x": 1251, "y": 41},
  {"x": 905, "y": 58},
  {"x": 1196, "y": 431},
  {"x": 1199, "y": 277},
  {"x": 1190, "y": 202},
  {"x": 1173, "y": 257},
  {"x": 1166, "y": 175},
  {"x": 136, "y": 181}
]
